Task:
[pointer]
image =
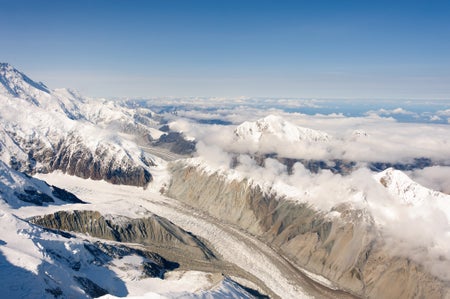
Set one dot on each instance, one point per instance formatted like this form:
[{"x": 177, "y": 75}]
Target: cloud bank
[{"x": 362, "y": 139}]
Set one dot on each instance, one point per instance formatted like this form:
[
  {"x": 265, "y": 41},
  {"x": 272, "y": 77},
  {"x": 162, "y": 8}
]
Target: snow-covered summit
[
  {"x": 400, "y": 186},
  {"x": 16, "y": 84},
  {"x": 27, "y": 94},
  {"x": 276, "y": 127}
]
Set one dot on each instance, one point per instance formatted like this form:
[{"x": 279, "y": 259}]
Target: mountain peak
[
  {"x": 5, "y": 66},
  {"x": 17, "y": 84},
  {"x": 275, "y": 126},
  {"x": 402, "y": 187}
]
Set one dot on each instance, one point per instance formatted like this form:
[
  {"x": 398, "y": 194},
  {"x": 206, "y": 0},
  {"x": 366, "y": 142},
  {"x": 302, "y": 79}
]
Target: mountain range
[{"x": 101, "y": 198}]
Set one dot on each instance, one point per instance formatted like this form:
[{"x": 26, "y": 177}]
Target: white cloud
[
  {"x": 401, "y": 111},
  {"x": 214, "y": 155},
  {"x": 435, "y": 177},
  {"x": 435, "y": 118},
  {"x": 386, "y": 140},
  {"x": 443, "y": 112},
  {"x": 388, "y": 112}
]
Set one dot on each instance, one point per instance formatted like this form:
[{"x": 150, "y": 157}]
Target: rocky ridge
[{"x": 151, "y": 231}]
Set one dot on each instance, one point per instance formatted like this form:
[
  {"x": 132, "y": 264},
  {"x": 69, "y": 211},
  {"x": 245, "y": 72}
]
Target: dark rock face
[
  {"x": 176, "y": 143},
  {"x": 37, "y": 192},
  {"x": 154, "y": 265},
  {"x": 165, "y": 128},
  {"x": 348, "y": 250},
  {"x": 34, "y": 196},
  {"x": 149, "y": 231},
  {"x": 213, "y": 122},
  {"x": 65, "y": 195},
  {"x": 90, "y": 287},
  {"x": 55, "y": 292}
]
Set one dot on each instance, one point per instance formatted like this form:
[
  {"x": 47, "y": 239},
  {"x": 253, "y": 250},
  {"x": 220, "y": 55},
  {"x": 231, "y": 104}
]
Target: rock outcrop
[
  {"x": 150, "y": 231},
  {"x": 176, "y": 143}
]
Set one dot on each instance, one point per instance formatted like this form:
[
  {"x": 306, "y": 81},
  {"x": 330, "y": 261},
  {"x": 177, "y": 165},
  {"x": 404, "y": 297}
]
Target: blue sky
[{"x": 308, "y": 49}]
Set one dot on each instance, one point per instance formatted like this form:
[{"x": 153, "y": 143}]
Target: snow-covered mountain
[
  {"x": 19, "y": 85},
  {"x": 337, "y": 222},
  {"x": 39, "y": 263},
  {"x": 44, "y": 130},
  {"x": 276, "y": 128},
  {"x": 405, "y": 190},
  {"x": 15, "y": 84}
]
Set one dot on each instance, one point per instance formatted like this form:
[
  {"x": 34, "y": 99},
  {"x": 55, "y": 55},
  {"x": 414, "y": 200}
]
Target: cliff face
[
  {"x": 99, "y": 165},
  {"x": 347, "y": 249},
  {"x": 70, "y": 155}
]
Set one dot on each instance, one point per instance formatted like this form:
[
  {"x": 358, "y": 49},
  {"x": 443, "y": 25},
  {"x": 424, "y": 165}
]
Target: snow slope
[
  {"x": 36, "y": 263},
  {"x": 18, "y": 189}
]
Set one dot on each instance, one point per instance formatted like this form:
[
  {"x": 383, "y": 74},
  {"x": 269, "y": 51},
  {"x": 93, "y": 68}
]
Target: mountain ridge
[
  {"x": 18, "y": 84},
  {"x": 45, "y": 130}
]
